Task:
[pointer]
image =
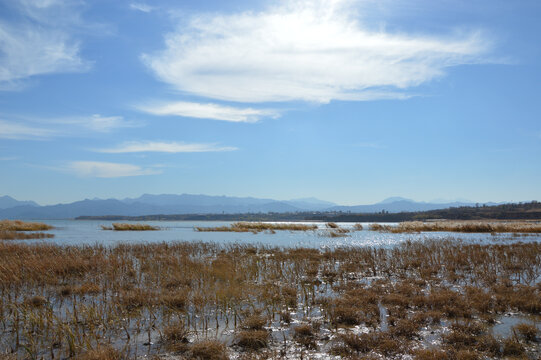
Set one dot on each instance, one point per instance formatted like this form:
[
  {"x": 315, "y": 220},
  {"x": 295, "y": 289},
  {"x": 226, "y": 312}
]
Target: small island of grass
[
  {"x": 130, "y": 227},
  {"x": 20, "y": 230},
  {"x": 256, "y": 227}
]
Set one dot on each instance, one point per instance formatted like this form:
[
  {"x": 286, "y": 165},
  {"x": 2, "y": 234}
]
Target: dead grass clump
[
  {"x": 175, "y": 337},
  {"x": 463, "y": 335},
  {"x": 136, "y": 299},
  {"x": 387, "y": 346},
  {"x": 488, "y": 344},
  {"x": 379, "y": 227},
  {"x": 404, "y": 328},
  {"x": 18, "y": 225},
  {"x": 285, "y": 317},
  {"x": 252, "y": 339},
  {"x": 175, "y": 301},
  {"x": 65, "y": 290},
  {"x": 254, "y": 322},
  {"x": 36, "y": 301},
  {"x": 511, "y": 347},
  {"x": 257, "y": 227},
  {"x": 87, "y": 288},
  {"x": 289, "y": 294},
  {"x": 14, "y": 235},
  {"x": 208, "y": 350},
  {"x": 7, "y": 356},
  {"x": 102, "y": 353},
  {"x": 130, "y": 227},
  {"x": 362, "y": 343},
  {"x": 431, "y": 354},
  {"x": 305, "y": 335},
  {"x": 527, "y": 331},
  {"x": 467, "y": 355},
  {"x": 357, "y": 227},
  {"x": 346, "y": 315}
]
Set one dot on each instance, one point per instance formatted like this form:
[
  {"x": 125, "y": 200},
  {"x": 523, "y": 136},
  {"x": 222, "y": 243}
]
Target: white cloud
[
  {"x": 166, "y": 147},
  {"x": 33, "y": 45},
  {"x": 312, "y": 50},
  {"x": 141, "y": 7},
  {"x": 13, "y": 130},
  {"x": 25, "y": 127},
  {"x": 97, "y": 122},
  {"x": 209, "y": 111},
  {"x": 108, "y": 169}
]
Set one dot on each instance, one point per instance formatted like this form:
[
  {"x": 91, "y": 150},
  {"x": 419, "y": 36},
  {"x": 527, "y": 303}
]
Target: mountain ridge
[{"x": 170, "y": 204}]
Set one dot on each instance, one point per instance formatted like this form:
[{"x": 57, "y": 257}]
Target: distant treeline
[{"x": 520, "y": 211}]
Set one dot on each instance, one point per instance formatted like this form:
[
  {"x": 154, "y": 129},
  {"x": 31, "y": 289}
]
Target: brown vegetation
[
  {"x": 462, "y": 227},
  {"x": 130, "y": 227},
  {"x": 18, "y": 225},
  {"x": 16, "y": 235},
  {"x": 256, "y": 227},
  {"x": 68, "y": 301}
]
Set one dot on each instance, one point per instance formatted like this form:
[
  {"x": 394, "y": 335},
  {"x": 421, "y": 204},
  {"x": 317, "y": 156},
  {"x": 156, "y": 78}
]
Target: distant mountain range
[
  {"x": 167, "y": 204},
  {"x": 7, "y": 202}
]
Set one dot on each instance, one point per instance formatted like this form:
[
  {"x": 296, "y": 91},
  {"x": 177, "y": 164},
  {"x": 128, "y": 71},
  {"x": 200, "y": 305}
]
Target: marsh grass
[
  {"x": 256, "y": 227},
  {"x": 68, "y": 301},
  {"x": 462, "y": 227},
  {"x": 16, "y": 235},
  {"x": 130, "y": 227},
  {"x": 18, "y": 225}
]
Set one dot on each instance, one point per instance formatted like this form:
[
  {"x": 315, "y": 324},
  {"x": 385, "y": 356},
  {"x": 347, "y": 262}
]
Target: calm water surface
[{"x": 89, "y": 232}]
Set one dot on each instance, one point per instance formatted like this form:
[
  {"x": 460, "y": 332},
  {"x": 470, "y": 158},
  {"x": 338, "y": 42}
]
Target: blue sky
[{"x": 347, "y": 101}]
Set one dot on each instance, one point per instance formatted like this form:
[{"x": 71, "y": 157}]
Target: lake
[{"x": 89, "y": 232}]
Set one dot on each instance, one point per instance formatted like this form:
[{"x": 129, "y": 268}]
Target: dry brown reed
[
  {"x": 209, "y": 350},
  {"x": 130, "y": 227},
  {"x": 15, "y": 235},
  {"x": 67, "y": 301},
  {"x": 18, "y": 225},
  {"x": 462, "y": 227},
  {"x": 256, "y": 227}
]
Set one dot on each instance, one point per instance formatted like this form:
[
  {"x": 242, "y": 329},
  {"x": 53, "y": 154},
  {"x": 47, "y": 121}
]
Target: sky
[{"x": 347, "y": 101}]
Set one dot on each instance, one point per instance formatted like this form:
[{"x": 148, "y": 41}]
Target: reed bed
[
  {"x": 18, "y": 225},
  {"x": 15, "y": 235},
  {"x": 256, "y": 227},
  {"x": 209, "y": 301},
  {"x": 462, "y": 227},
  {"x": 130, "y": 227}
]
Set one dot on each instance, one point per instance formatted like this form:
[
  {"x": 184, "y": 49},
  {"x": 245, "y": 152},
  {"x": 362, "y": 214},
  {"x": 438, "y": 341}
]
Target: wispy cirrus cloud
[
  {"x": 34, "y": 45},
  {"x": 100, "y": 169},
  {"x": 17, "y": 131},
  {"x": 97, "y": 122},
  {"x": 8, "y": 158},
  {"x": 209, "y": 111},
  {"x": 141, "y": 7},
  {"x": 311, "y": 50},
  {"x": 38, "y": 128},
  {"x": 165, "y": 147}
]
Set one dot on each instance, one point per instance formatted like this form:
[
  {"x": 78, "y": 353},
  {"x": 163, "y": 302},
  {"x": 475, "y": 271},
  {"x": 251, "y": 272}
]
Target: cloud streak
[
  {"x": 107, "y": 169},
  {"x": 310, "y": 50},
  {"x": 141, "y": 7},
  {"x": 165, "y": 147},
  {"x": 32, "y": 128},
  {"x": 209, "y": 111},
  {"x": 35, "y": 46},
  {"x": 17, "y": 131},
  {"x": 97, "y": 122}
]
